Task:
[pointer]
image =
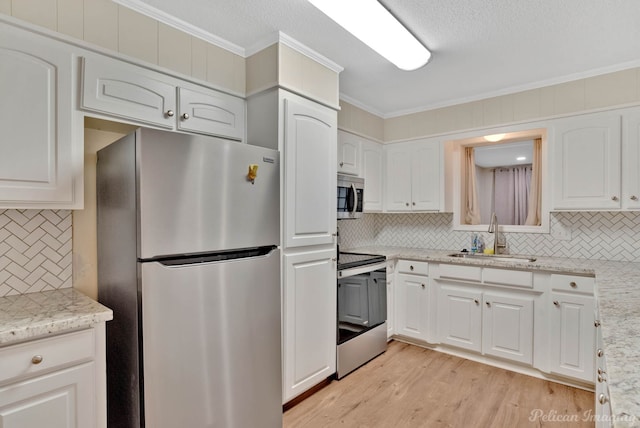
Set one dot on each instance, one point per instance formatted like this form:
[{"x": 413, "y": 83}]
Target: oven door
[{"x": 362, "y": 300}]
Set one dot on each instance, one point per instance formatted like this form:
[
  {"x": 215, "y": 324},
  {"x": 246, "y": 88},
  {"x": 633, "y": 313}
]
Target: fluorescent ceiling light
[
  {"x": 521, "y": 158},
  {"x": 372, "y": 23}
]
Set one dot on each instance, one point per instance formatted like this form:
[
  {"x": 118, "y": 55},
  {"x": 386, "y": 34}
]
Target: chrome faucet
[{"x": 494, "y": 228}]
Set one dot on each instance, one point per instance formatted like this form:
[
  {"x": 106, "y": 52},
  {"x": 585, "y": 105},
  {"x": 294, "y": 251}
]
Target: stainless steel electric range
[{"x": 362, "y": 310}]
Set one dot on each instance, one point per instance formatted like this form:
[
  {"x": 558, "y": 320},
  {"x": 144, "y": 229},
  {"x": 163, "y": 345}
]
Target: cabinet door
[
  {"x": 128, "y": 91},
  {"x": 353, "y": 297},
  {"x": 412, "y": 303},
  {"x": 631, "y": 166},
  {"x": 209, "y": 112},
  {"x": 309, "y": 174},
  {"x": 62, "y": 399},
  {"x": 372, "y": 174},
  {"x": 309, "y": 320},
  {"x": 572, "y": 335},
  {"x": 587, "y": 162},
  {"x": 348, "y": 153},
  {"x": 507, "y": 327},
  {"x": 398, "y": 176},
  {"x": 41, "y": 156},
  {"x": 459, "y": 317},
  {"x": 425, "y": 176}
]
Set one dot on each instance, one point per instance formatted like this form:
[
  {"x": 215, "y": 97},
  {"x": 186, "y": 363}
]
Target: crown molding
[
  {"x": 361, "y": 105},
  {"x": 181, "y": 25}
]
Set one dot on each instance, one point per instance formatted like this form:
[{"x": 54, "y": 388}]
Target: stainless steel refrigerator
[{"x": 188, "y": 261}]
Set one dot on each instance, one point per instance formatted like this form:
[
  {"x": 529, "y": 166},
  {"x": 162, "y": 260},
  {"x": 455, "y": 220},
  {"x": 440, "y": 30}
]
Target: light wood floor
[{"x": 409, "y": 386}]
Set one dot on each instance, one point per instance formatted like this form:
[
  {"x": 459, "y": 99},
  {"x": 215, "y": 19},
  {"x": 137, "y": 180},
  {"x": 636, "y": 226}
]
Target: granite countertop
[
  {"x": 34, "y": 315},
  {"x": 618, "y": 300}
]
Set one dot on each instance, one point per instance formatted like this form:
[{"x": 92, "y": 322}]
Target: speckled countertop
[
  {"x": 618, "y": 298},
  {"x": 34, "y": 315}
]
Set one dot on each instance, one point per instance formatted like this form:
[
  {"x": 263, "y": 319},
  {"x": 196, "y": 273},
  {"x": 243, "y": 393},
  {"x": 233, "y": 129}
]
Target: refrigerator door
[
  {"x": 211, "y": 344},
  {"x": 194, "y": 194}
]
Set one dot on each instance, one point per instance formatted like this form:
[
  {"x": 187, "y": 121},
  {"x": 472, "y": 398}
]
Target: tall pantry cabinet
[{"x": 305, "y": 133}]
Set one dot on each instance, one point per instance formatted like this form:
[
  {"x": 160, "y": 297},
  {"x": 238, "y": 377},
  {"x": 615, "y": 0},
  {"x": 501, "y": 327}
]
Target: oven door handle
[
  {"x": 346, "y": 273},
  {"x": 355, "y": 198}
]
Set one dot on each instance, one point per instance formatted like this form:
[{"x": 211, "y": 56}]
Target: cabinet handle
[
  {"x": 600, "y": 371},
  {"x": 341, "y": 163},
  {"x": 596, "y": 323},
  {"x": 411, "y": 267},
  {"x": 573, "y": 284},
  {"x": 413, "y": 203},
  {"x": 407, "y": 203},
  {"x": 601, "y": 378},
  {"x": 488, "y": 304},
  {"x": 169, "y": 113},
  {"x": 334, "y": 259},
  {"x": 614, "y": 198},
  {"x": 422, "y": 285},
  {"x": 476, "y": 301},
  {"x": 599, "y": 352},
  {"x": 555, "y": 302},
  {"x": 634, "y": 198},
  {"x": 36, "y": 359},
  {"x": 185, "y": 116},
  {"x": 602, "y": 399}
]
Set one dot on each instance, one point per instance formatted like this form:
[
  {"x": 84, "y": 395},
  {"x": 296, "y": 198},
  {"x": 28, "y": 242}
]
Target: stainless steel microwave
[{"x": 350, "y": 196}]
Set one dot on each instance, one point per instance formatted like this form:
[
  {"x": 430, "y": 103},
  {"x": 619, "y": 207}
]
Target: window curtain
[
  {"x": 512, "y": 194},
  {"x": 472, "y": 210},
  {"x": 534, "y": 213}
]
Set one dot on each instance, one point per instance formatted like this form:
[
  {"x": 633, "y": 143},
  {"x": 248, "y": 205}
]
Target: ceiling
[{"x": 480, "y": 48}]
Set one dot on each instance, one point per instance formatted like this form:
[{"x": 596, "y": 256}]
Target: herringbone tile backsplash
[
  {"x": 589, "y": 235},
  {"x": 35, "y": 251}
]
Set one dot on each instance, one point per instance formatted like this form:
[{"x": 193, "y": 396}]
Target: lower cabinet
[
  {"x": 309, "y": 320},
  {"x": 53, "y": 382},
  {"x": 493, "y": 323},
  {"x": 572, "y": 335},
  {"x": 412, "y": 301},
  {"x": 602, "y": 402}
]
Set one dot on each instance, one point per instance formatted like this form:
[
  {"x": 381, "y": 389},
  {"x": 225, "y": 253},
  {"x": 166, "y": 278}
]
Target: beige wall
[
  {"x": 117, "y": 28},
  {"x": 608, "y": 90},
  {"x": 281, "y": 65},
  {"x": 358, "y": 121}
]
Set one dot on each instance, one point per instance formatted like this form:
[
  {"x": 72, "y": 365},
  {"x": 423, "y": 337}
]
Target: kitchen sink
[{"x": 496, "y": 257}]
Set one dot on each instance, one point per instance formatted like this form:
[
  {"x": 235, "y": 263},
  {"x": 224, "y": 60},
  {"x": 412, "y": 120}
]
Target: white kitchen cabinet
[
  {"x": 116, "y": 88},
  {"x": 42, "y": 151},
  {"x": 507, "y": 326},
  {"x": 412, "y": 299},
  {"x": 587, "y": 163},
  {"x": 309, "y": 320},
  {"x": 348, "y": 156},
  {"x": 309, "y": 173},
  {"x": 372, "y": 172},
  {"x": 460, "y": 317},
  {"x": 414, "y": 176},
  {"x": 572, "y": 335},
  {"x": 631, "y": 159},
  {"x": 52, "y": 382},
  {"x": 391, "y": 299}
]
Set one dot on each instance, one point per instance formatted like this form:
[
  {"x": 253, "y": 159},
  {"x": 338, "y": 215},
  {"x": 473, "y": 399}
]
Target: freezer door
[
  {"x": 211, "y": 344},
  {"x": 195, "y": 196}
]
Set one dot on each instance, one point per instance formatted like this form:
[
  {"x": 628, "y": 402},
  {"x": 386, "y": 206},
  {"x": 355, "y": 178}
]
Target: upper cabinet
[
  {"x": 587, "y": 162},
  {"x": 414, "y": 176},
  {"x": 349, "y": 158},
  {"x": 372, "y": 171},
  {"x": 597, "y": 161},
  {"x": 139, "y": 95},
  {"x": 42, "y": 153}
]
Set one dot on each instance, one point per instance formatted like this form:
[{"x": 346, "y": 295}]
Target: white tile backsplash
[
  {"x": 590, "y": 235},
  {"x": 35, "y": 251}
]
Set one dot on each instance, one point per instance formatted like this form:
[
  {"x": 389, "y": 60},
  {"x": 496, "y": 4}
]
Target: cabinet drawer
[
  {"x": 515, "y": 278},
  {"x": 414, "y": 267},
  {"x": 469, "y": 273},
  {"x": 64, "y": 350},
  {"x": 575, "y": 283}
]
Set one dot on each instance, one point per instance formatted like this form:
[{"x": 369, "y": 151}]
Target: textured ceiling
[{"x": 480, "y": 48}]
